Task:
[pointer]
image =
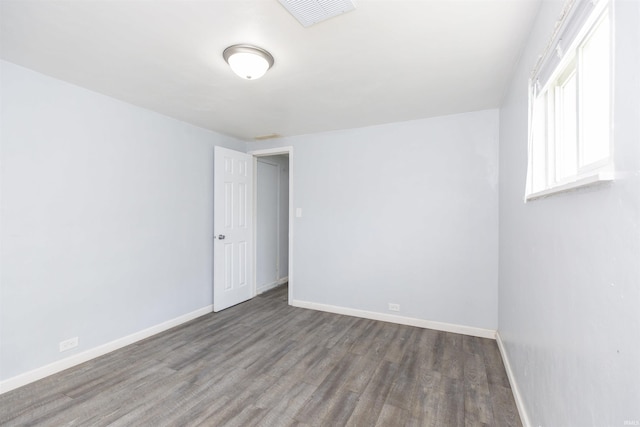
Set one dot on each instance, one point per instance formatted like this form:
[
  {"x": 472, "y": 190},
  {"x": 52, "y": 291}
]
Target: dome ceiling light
[{"x": 248, "y": 62}]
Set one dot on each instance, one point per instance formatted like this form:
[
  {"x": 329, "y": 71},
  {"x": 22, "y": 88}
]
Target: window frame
[{"x": 549, "y": 125}]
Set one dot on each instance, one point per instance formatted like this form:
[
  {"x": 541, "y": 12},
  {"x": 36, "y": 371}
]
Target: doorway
[{"x": 273, "y": 220}]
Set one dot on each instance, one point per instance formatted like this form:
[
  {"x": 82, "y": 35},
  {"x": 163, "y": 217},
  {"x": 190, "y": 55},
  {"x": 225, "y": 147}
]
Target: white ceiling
[{"x": 386, "y": 61}]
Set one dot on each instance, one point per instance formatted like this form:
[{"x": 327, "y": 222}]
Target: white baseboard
[
  {"x": 264, "y": 288},
  {"x": 393, "y": 318},
  {"x": 76, "y": 359},
  {"x": 524, "y": 417}
]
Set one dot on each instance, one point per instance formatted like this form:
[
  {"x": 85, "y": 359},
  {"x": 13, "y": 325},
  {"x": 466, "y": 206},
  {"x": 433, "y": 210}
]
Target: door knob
[{"x": 221, "y": 236}]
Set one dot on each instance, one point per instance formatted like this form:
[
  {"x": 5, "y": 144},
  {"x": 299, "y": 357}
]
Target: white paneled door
[{"x": 233, "y": 228}]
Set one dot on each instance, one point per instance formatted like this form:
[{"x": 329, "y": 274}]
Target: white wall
[
  {"x": 570, "y": 264},
  {"x": 272, "y": 222},
  {"x": 403, "y": 213},
  {"x": 105, "y": 220}
]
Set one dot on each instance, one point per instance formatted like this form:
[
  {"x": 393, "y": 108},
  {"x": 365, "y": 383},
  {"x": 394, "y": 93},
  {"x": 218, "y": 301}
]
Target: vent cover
[
  {"x": 264, "y": 137},
  {"x": 309, "y": 12}
]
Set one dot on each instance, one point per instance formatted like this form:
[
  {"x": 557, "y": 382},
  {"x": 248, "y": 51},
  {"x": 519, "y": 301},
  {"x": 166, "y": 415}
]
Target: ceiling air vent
[
  {"x": 309, "y": 12},
  {"x": 264, "y": 137}
]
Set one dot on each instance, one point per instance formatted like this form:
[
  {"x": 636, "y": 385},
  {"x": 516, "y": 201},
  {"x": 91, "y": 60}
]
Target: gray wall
[
  {"x": 404, "y": 213},
  {"x": 283, "y": 218},
  {"x": 105, "y": 221},
  {"x": 570, "y": 263}
]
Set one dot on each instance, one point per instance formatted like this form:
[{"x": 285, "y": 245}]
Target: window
[{"x": 570, "y": 104}]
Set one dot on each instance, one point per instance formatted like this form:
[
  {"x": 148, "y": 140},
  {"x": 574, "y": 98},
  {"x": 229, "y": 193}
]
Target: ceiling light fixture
[{"x": 248, "y": 62}]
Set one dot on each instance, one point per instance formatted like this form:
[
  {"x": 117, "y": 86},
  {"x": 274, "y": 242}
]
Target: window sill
[{"x": 585, "y": 181}]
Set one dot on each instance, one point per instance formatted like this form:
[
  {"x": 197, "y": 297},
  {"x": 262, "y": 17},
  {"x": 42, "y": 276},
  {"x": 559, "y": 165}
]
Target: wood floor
[{"x": 263, "y": 363}]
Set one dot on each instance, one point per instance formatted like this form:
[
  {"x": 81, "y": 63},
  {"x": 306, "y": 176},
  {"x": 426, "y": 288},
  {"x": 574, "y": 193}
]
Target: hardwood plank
[
  {"x": 496, "y": 372},
  {"x": 425, "y": 403},
  {"x": 400, "y": 342},
  {"x": 477, "y": 398},
  {"x": 373, "y": 397},
  {"x": 357, "y": 379},
  {"x": 295, "y": 362},
  {"x": 341, "y": 410},
  {"x": 270, "y": 354},
  {"x": 99, "y": 402},
  {"x": 472, "y": 345},
  {"x": 392, "y": 416},
  {"x": 329, "y": 393},
  {"x": 505, "y": 412},
  {"x": 404, "y": 389},
  {"x": 14, "y": 415},
  {"x": 239, "y": 399},
  {"x": 186, "y": 405},
  {"x": 264, "y": 363},
  {"x": 284, "y": 399},
  {"x": 452, "y": 357},
  {"x": 450, "y": 411},
  {"x": 352, "y": 334},
  {"x": 321, "y": 363},
  {"x": 366, "y": 339},
  {"x": 249, "y": 416}
]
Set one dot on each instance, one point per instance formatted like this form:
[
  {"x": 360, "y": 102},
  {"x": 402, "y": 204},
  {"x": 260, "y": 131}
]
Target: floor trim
[
  {"x": 524, "y": 417},
  {"x": 76, "y": 359},
  {"x": 283, "y": 280},
  {"x": 393, "y": 318},
  {"x": 269, "y": 286}
]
